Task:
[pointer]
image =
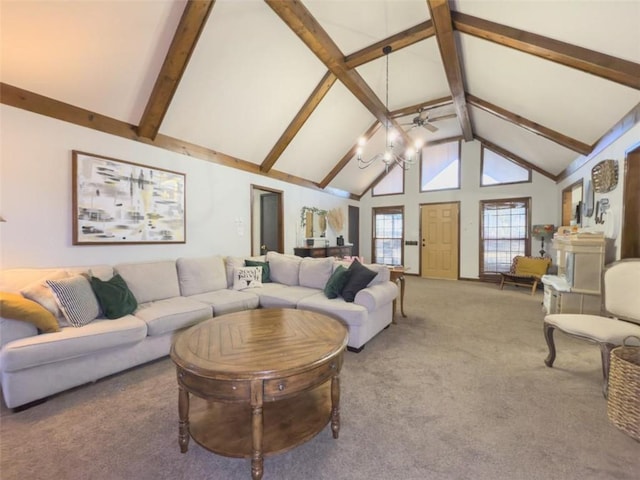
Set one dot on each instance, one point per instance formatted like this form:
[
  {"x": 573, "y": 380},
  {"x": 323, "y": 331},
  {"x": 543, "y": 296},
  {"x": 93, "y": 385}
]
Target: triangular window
[{"x": 499, "y": 170}]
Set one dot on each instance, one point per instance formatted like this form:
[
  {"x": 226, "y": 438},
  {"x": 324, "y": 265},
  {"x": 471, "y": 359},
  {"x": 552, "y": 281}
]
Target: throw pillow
[
  {"x": 266, "y": 275},
  {"x": 247, "y": 277},
  {"x": 115, "y": 298},
  {"x": 40, "y": 292},
  {"x": 359, "y": 278},
  {"x": 17, "y": 307},
  {"x": 76, "y": 299},
  {"x": 336, "y": 282}
]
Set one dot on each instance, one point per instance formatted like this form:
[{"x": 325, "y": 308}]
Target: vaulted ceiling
[{"x": 286, "y": 88}]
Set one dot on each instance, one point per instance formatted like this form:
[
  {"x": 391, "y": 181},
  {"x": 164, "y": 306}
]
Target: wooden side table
[
  {"x": 258, "y": 382},
  {"x": 397, "y": 275}
]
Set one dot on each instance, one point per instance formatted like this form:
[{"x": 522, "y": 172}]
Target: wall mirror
[{"x": 314, "y": 222}]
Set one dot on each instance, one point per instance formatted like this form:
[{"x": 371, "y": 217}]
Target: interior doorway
[
  {"x": 630, "y": 246},
  {"x": 440, "y": 245},
  {"x": 571, "y": 204},
  {"x": 267, "y": 228},
  {"x": 354, "y": 229}
]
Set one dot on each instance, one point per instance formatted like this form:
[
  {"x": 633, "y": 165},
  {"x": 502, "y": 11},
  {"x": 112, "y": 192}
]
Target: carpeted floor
[{"x": 458, "y": 390}]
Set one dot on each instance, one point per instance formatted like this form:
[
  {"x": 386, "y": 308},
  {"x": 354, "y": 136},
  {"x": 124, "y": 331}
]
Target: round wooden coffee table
[{"x": 263, "y": 381}]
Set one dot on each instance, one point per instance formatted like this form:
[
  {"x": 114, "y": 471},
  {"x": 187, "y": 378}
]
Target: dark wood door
[
  {"x": 269, "y": 231},
  {"x": 630, "y": 246},
  {"x": 354, "y": 229}
]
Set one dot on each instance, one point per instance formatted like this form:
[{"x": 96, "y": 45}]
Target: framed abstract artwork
[{"x": 118, "y": 202}]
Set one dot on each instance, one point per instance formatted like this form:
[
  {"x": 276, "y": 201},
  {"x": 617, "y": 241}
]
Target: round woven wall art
[{"x": 605, "y": 176}]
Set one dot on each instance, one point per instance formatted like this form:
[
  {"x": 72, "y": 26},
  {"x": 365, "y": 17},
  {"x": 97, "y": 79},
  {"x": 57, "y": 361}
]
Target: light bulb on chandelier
[{"x": 389, "y": 156}]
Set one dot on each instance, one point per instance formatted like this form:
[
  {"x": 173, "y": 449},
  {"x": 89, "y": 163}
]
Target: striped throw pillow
[{"x": 76, "y": 299}]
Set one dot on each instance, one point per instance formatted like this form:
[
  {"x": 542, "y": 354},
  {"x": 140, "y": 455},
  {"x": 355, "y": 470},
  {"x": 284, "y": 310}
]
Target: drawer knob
[
  {"x": 333, "y": 366},
  {"x": 281, "y": 386},
  {"x": 233, "y": 387}
]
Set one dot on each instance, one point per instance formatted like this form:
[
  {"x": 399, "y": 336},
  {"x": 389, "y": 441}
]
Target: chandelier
[{"x": 390, "y": 156}]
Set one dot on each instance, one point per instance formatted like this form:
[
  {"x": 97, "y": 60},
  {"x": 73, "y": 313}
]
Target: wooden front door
[{"x": 440, "y": 245}]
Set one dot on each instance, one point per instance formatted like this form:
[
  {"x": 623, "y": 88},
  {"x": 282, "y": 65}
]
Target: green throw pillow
[
  {"x": 114, "y": 296},
  {"x": 336, "y": 282},
  {"x": 359, "y": 278},
  {"x": 266, "y": 274}
]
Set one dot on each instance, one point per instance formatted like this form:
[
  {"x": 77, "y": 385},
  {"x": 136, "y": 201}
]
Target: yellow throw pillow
[
  {"x": 532, "y": 266},
  {"x": 17, "y": 307}
]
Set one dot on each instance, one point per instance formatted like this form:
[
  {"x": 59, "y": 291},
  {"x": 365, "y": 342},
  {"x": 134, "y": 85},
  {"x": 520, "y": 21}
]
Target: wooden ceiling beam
[
  {"x": 625, "y": 124},
  {"x": 192, "y": 22},
  {"x": 398, "y": 41},
  {"x": 32, "y": 102},
  {"x": 348, "y": 156},
  {"x": 412, "y": 109},
  {"x": 515, "y": 158},
  {"x": 298, "y": 121},
  {"x": 605, "y": 66},
  {"x": 549, "y": 134},
  {"x": 441, "y": 16},
  {"x": 306, "y": 27}
]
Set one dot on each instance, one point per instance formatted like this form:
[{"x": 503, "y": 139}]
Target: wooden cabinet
[{"x": 321, "y": 252}]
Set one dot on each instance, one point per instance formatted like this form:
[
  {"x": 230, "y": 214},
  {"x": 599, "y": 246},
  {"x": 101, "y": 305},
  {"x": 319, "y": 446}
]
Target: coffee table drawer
[
  {"x": 217, "y": 389},
  {"x": 282, "y": 387}
]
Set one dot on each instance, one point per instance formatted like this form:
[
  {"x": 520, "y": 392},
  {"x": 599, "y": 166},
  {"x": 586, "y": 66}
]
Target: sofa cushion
[
  {"x": 151, "y": 281},
  {"x": 359, "y": 277},
  {"x": 114, "y": 297},
  {"x": 172, "y": 314},
  {"x": 228, "y": 301},
  {"x": 336, "y": 282},
  {"x": 17, "y": 307},
  {"x": 69, "y": 343},
  {"x": 285, "y": 269},
  {"x": 315, "y": 272},
  {"x": 287, "y": 297},
  {"x": 76, "y": 299},
  {"x": 200, "y": 275}
]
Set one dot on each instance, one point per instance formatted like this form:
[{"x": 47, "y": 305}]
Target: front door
[{"x": 439, "y": 252}]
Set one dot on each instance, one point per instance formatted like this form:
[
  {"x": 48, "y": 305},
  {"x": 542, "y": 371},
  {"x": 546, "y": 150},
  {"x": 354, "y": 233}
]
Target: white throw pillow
[
  {"x": 247, "y": 277},
  {"x": 76, "y": 299}
]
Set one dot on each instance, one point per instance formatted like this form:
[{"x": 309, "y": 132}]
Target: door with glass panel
[{"x": 440, "y": 242}]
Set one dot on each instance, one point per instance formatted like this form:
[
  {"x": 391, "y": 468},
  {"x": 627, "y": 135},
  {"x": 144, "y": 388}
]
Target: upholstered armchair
[{"x": 619, "y": 319}]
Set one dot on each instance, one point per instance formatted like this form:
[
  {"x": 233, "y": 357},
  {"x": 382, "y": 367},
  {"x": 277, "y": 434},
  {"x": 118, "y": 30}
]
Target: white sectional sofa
[{"x": 171, "y": 295}]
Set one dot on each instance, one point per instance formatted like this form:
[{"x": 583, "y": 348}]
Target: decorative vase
[{"x": 340, "y": 241}]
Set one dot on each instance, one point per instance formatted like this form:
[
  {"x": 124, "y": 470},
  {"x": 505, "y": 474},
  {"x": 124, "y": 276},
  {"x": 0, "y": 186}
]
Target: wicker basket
[{"x": 623, "y": 401}]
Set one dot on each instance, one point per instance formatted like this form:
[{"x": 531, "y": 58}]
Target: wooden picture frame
[{"x": 122, "y": 203}]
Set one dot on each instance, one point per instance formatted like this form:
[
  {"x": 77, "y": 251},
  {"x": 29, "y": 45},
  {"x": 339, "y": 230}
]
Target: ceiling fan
[{"x": 422, "y": 120}]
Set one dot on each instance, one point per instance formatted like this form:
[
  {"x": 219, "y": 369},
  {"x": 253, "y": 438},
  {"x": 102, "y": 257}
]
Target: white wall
[
  {"x": 542, "y": 191},
  {"x": 612, "y": 226},
  {"x": 35, "y": 197}
]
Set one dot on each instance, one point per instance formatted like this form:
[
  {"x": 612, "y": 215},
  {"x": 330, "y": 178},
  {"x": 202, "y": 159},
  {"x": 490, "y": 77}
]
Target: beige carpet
[{"x": 458, "y": 390}]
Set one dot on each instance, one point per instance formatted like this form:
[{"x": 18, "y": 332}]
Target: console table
[
  {"x": 320, "y": 252},
  {"x": 261, "y": 381}
]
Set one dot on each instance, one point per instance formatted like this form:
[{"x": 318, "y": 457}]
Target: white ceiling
[{"x": 250, "y": 74}]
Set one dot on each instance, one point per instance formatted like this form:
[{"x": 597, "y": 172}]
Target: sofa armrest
[
  {"x": 11, "y": 330},
  {"x": 375, "y": 296}
]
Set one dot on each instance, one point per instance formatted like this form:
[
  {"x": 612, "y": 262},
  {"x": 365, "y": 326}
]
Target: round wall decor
[{"x": 605, "y": 176}]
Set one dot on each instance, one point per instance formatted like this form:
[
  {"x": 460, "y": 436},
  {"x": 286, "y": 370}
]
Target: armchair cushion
[{"x": 530, "y": 266}]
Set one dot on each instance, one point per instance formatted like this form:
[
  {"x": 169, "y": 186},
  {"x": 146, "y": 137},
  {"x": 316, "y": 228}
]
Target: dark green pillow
[
  {"x": 336, "y": 282},
  {"x": 114, "y": 296},
  {"x": 359, "y": 277},
  {"x": 266, "y": 273}
]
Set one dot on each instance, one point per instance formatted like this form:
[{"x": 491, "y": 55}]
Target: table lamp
[{"x": 543, "y": 232}]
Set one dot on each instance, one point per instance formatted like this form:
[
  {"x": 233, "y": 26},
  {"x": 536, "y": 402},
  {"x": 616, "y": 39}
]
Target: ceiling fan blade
[{"x": 430, "y": 127}]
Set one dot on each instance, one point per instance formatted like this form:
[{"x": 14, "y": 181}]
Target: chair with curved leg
[{"x": 619, "y": 319}]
